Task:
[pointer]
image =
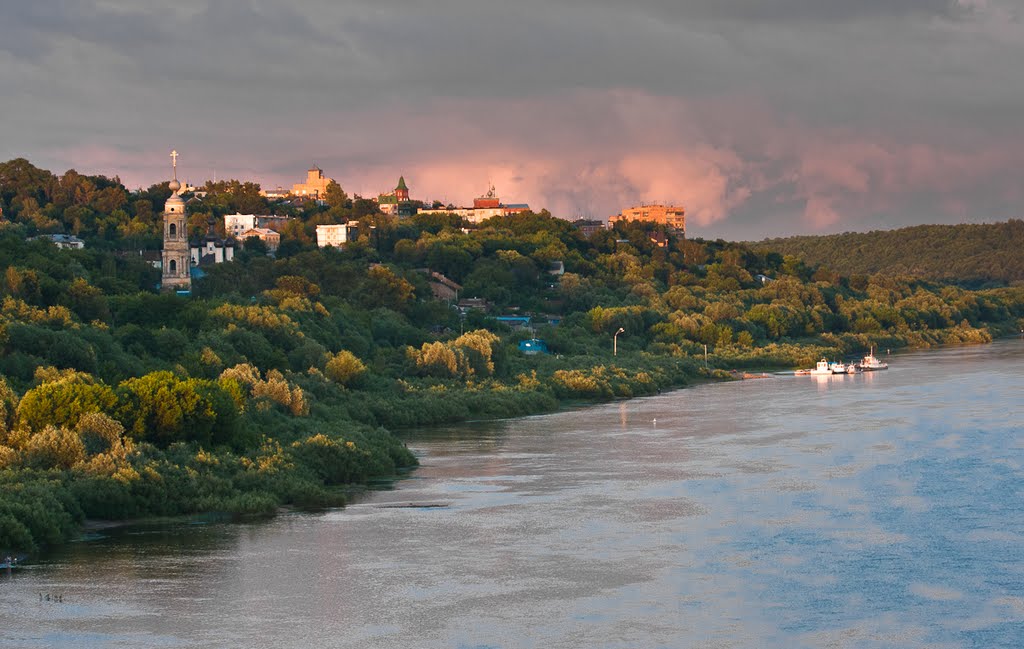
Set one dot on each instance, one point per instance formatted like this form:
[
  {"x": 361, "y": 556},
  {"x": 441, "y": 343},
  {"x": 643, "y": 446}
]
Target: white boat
[
  {"x": 851, "y": 368},
  {"x": 870, "y": 363},
  {"x": 821, "y": 368},
  {"x": 837, "y": 368}
]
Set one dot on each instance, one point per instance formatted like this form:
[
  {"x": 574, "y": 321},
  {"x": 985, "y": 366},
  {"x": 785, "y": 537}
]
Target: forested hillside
[
  {"x": 968, "y": 255},
  {"x": 278, "y": 380}
]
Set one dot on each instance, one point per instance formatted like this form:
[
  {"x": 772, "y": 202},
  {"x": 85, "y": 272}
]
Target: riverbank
[
  {"x": 300, "y": 467},
  {"x": 304, "y": 469},
  {"x": 740, "y": 497}
]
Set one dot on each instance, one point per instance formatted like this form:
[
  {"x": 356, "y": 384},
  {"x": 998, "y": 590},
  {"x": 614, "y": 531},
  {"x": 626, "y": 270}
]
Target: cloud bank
[{"x": 762, "y": 117}]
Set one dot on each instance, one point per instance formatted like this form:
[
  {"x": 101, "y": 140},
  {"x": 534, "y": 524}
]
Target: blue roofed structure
[
  {"x": 533, "y": 346},
  {"x": 515, "y": 321}
]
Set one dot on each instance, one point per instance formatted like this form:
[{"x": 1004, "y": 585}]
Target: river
[{"x": 876, "y": 510}]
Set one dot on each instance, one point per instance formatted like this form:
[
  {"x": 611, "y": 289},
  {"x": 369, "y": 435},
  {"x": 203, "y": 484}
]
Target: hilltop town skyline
[
  {"x": 763, "y": 119},
  {"x": 316, "y": 181}
]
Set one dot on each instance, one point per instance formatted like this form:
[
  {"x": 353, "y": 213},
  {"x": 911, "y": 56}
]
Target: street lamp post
[{"x": 615, "y": 342}]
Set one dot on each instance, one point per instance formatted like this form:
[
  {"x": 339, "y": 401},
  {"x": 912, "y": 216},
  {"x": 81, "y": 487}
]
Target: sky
[{"x": 762, "y": 117}]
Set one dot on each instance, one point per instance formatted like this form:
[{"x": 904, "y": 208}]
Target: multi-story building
[
  {"x": 673, "y": 216},
  {"x": 588, "y": 227},
  {"x": 236, "y": 224},
  {"x": 268, "y": 236},
  {"x": 398, "y": 201},
  {"x": 315, "y": 186},
  {"x": 484, "y": 207},
  {"x": 334, "y": 235},
  {"x": 211, "y": 250}
]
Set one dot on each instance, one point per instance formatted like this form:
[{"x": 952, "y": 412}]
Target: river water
[{"x": 877, "y": 510}]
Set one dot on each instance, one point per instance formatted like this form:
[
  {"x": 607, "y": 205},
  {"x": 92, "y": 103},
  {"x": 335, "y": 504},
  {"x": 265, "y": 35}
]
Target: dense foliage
[
  {"x": 973, "y": 255},
  {"x": 276, "y": 382}
]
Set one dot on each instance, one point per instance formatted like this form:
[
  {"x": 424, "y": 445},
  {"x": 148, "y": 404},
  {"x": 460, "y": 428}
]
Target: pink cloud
[
  {"x": 598, "y": 152},
  {"x": 592, "y": 153},
  {"x": 698, "y": 179},
  {"x": 819, "y": 212}
]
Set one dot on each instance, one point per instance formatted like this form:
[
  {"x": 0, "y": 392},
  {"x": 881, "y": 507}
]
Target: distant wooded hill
[{"x": 967, "y": 254}]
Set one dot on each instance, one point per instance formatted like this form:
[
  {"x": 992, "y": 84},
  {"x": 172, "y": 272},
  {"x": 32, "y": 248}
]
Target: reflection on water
[{"x": 873, "y": 510}]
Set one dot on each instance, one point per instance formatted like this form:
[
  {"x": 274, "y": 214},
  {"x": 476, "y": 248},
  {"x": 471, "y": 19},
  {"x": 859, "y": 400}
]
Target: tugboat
[{"x": 870, "y": 363}]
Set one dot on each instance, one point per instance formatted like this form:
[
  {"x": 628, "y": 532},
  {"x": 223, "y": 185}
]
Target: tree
[
  {"x": 64, "y": 402},
  {"x": 23, "y": 283},
  {"x": 335, "y": 195},
  {"x": 491, "y": 279},
  {"x": 20, "y": 180},
  {"x": 109, "y": 199},
  {"x": 364, "y": 207},
  {"x": 434, "y": 359},
  {"x": 477, "y": 351},
  {"x": 344, "y": 368},
  {"x": 88, "y": 302},
  {"x": 382, "y": 287},
  {"x": 255, "y": 245},
  {"x": 54, "y": 448},
  {"x": 161, "y": 408},
  {"x": 99, "y": 433},
  {"x": 8, "y": 409},
  {"x": 297, "y": 285}
]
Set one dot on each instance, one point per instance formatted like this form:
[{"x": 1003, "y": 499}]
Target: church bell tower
[{"x": 176, "y": 256}]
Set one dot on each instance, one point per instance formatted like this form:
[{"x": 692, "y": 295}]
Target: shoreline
[{"x": 704, "y": 376}]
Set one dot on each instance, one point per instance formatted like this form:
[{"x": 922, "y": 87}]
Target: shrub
[
  {"x": 54, "y": 448},
  {"x": 334, "y": 461},
  {"x": 162, "y": 408},
  {"x": 99, "y": 433},
  {"x": 63, "y": 403},
  {"x": 344, "y": 368}
]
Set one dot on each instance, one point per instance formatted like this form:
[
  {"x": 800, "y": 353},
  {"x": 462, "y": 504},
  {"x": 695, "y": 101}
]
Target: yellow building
[
  {"x": 315, "y": 185},
  {"x": 673, "y": 216},
  {"x": 268, "y": 236}
]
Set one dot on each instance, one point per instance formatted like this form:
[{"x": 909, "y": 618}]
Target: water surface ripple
[{"x": 876, "y": 510}]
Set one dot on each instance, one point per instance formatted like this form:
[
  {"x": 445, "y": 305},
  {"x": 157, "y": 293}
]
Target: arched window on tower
[
  {"x": 172, "y": 231},
  {"x": 174, "y": 266}
]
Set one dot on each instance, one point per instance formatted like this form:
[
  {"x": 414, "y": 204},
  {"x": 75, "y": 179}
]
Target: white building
[
  {"x": 68, "y": 241},
  {"x": 236, "y": 224},
  {"x": 334, "y": 235},
  {"x": 484, "y": 207},
  {"x": 469, "y": 214},
  {"x": 211, "y": 250}
]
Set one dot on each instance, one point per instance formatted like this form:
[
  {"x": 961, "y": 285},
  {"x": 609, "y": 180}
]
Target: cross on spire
[{"x": 174, "y": 163}]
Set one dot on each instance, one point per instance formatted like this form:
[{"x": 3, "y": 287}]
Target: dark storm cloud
[
  {"x": 831, "y": 11},
  {"x": 29, "y": 30},
  {"x": 826, "y": 113}
]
